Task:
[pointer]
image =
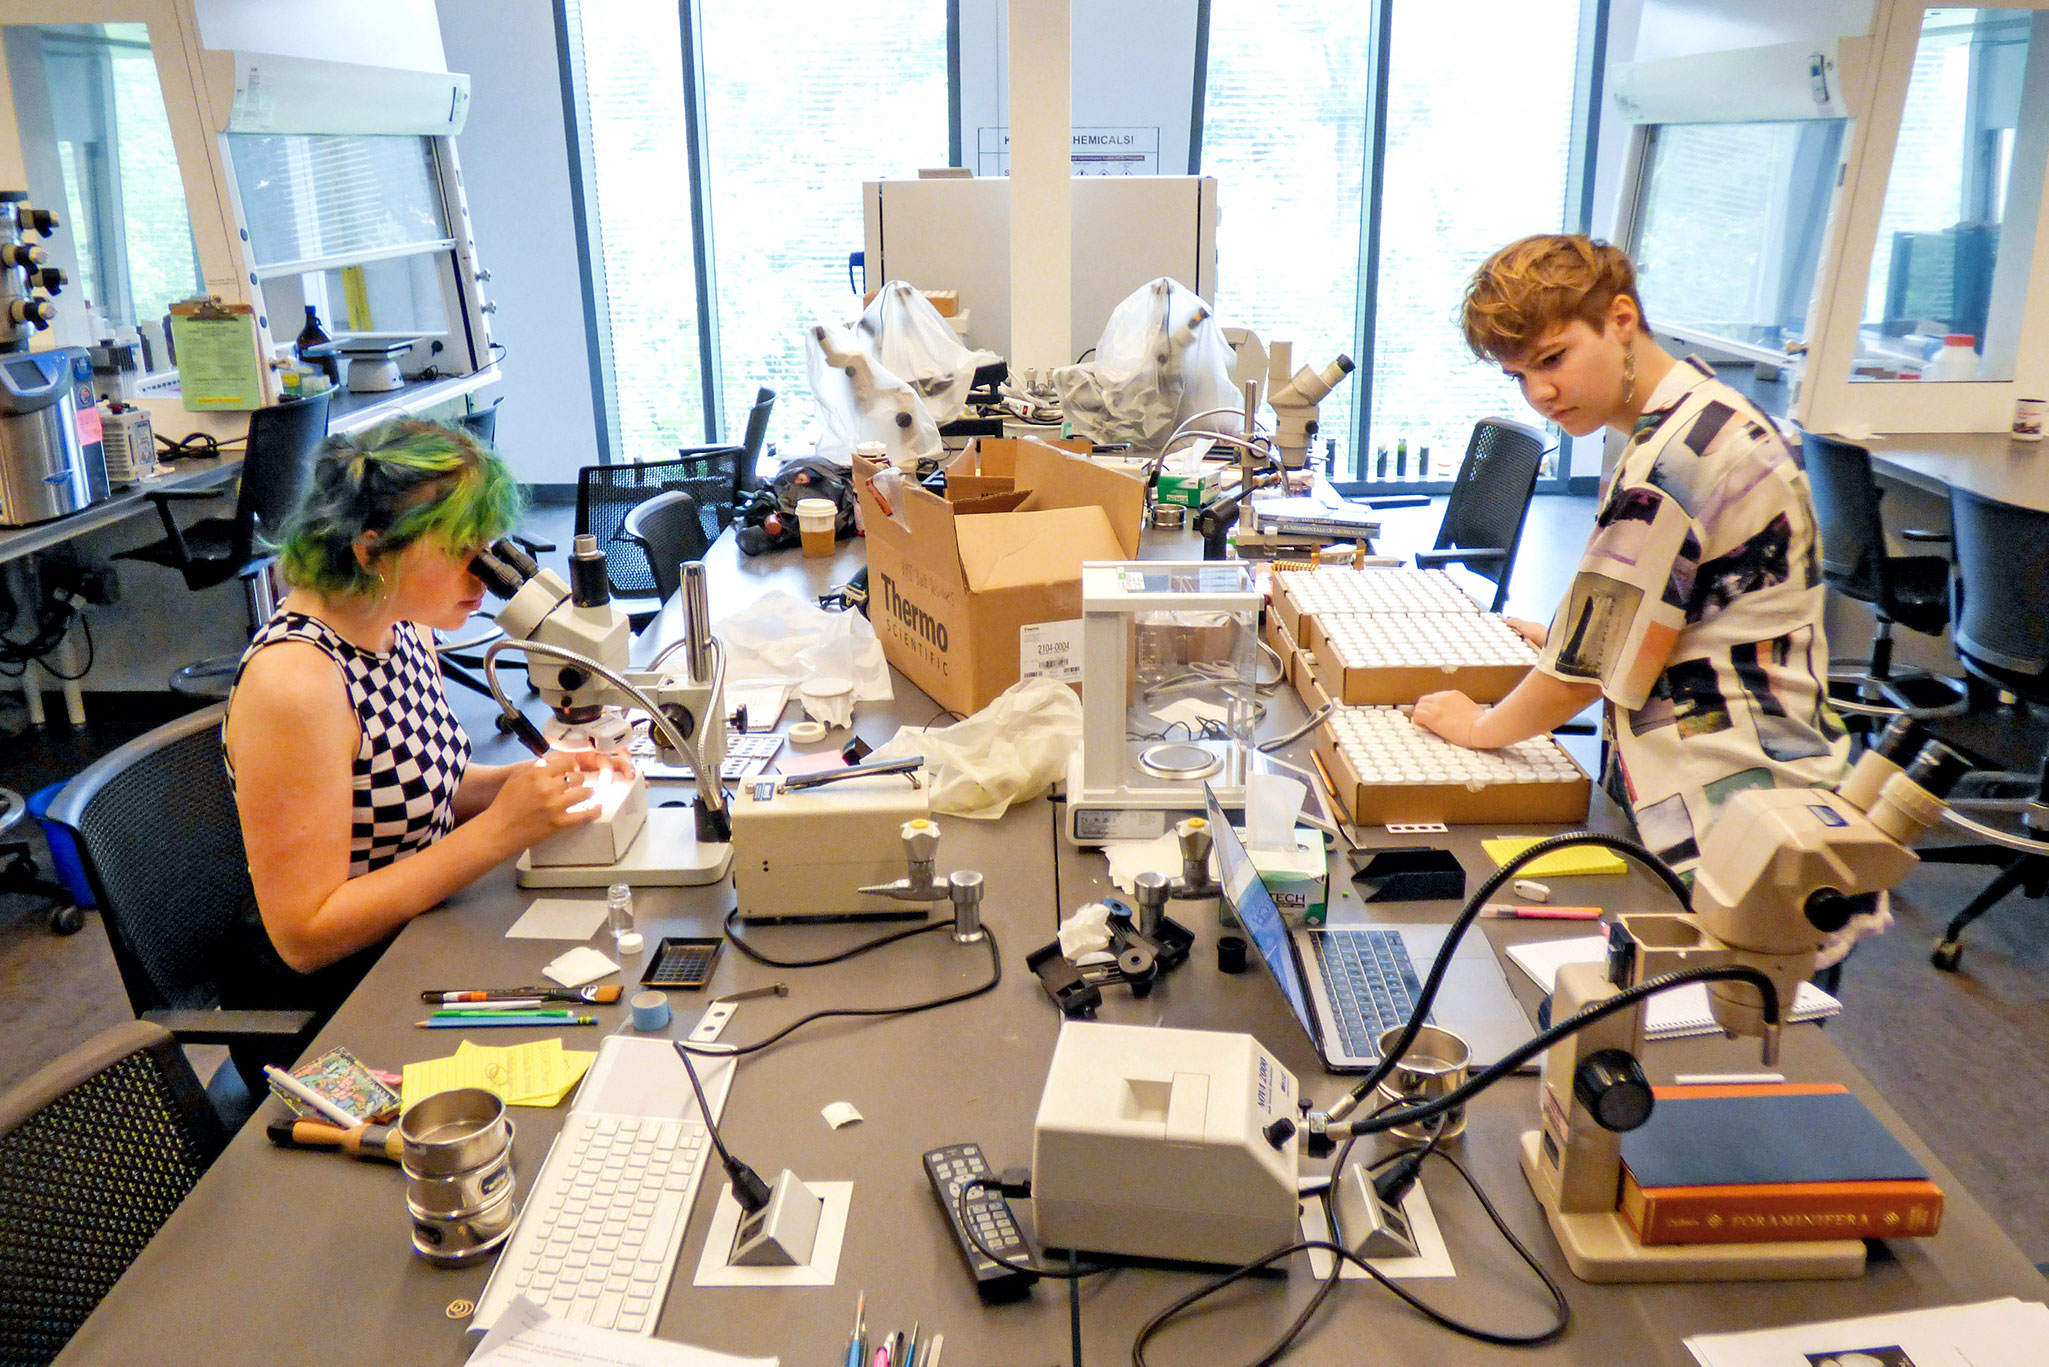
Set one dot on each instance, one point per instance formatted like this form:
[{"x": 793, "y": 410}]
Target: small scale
[
  {"x": 373, "y": 365},
  {"x": 746, "y": 755}
]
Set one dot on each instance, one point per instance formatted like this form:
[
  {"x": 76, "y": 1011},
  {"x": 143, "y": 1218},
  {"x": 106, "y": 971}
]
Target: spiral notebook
[{"x": 1670, "y": 1015}]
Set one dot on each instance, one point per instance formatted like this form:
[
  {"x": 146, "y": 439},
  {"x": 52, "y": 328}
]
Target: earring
[{"x": 1628, "y": 376}]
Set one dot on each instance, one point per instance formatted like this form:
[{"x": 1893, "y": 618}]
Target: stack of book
[{"x": 1768, "y": 1163}]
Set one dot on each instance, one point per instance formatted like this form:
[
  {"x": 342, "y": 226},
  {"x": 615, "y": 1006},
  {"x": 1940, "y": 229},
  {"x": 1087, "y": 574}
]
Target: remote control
[{"x": 949, "y": 1169}]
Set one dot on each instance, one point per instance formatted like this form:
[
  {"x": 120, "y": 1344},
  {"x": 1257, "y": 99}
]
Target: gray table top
[
  {"x": 277, "y": 1250},
  {"x": 1990, "y": 464}
]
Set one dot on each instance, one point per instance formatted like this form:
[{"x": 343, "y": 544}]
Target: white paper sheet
[
  {"x": 559, "y": 918},
  {"x": 2003, "y": 1333},
  {"x": 1670, "y": 1015},
  {"x": 579, "y": 966},
  {"x": 1129, "y": 858},
  {"x": 528, "y": 1336},
  {"x": 714, "y": 1270}
]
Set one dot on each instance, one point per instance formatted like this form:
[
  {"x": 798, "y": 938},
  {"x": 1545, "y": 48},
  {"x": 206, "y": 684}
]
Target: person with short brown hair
[{"x": 1696, "y": 612}]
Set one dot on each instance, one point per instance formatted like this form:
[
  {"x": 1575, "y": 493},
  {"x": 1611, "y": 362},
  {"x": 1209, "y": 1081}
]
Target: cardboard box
[
  {"x": 1366, "y": 685},
  {"x": 1001, "y": 552},
  {"x": 1455, "y": 804}
]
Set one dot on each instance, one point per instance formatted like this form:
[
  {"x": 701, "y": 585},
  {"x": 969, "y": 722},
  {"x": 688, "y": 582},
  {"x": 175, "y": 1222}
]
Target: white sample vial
[{"x": 619, "y": 912}]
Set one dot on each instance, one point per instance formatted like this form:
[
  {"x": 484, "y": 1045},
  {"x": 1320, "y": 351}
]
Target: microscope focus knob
[
  {"x": 1829, "y": 911},
  {"x": 1611, "y": 1084}
]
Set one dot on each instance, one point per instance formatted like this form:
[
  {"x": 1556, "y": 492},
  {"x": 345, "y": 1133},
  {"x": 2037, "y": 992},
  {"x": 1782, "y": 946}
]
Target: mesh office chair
[
  {"x": 96, "y": 1151},
  {"x": 1912, "y": 590},
  {"x": 1483, "y": 519},
  {"x": 669, "y": 529},
  {"x": 714, "y": 476},
  {"x": 161, "y": 845},
  {"x": 275, "y": 468},
  {"x": 2002, "y": 638}
]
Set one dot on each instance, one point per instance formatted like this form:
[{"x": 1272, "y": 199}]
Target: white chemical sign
[
  {"x": 1050, "y": 650},
  {"x": 1094, "y": 152}
]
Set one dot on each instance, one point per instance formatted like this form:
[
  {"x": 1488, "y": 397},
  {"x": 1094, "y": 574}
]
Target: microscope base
[
  {"x": 1602, "y": 1248},
  {"x": 665, "y": 854}
]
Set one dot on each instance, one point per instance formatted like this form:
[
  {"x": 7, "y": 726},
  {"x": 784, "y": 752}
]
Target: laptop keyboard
[{"x": 1371, "y": 984}]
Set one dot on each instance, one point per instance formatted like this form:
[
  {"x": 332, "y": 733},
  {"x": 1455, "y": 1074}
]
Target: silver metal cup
[{"x": 1435, "y": 1065}]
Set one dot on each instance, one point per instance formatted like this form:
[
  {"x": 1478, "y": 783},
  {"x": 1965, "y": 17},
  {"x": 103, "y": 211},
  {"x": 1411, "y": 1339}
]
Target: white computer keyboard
[{"x": 601, "y": 1227}]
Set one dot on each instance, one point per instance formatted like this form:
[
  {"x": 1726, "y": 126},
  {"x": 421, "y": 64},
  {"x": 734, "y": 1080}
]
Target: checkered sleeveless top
[{"x": 412, "y": 752}]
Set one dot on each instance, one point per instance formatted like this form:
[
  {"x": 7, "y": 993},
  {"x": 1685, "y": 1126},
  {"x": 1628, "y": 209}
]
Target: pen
[
  {"x": 328, "y": 1107},
  {"x": 1543, "y": 913},
  {"x": 480, "y": 1022},
  {"x": 598, "y": 995},
  {"x": 911, "y": 1345},
  {"x": 881, "y": 1356},
  {"x": 854, "y": 1343},
  {"x": 494, "y": 1009}
]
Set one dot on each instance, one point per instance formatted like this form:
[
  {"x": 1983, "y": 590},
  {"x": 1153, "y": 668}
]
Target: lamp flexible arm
[
  {"x": 1628, "y": 997},
  {"x": 710, "y": 793}
]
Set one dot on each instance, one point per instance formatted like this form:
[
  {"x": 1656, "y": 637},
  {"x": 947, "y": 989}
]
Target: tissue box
[
  {"x": 1188, "y": 490},
  {"x": 1298, "y": 879}
]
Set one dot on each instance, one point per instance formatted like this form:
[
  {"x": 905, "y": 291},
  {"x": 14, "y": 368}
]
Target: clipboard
[{"x": 219, "y": 368}]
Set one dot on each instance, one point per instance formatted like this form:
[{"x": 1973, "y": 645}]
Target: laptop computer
[{"x": 1346, "y": 985}]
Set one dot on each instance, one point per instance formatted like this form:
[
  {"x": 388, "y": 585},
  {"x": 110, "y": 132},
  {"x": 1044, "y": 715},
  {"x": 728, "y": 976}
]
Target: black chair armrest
[
  {"x": 1922, "y": 534},
  {"x": 232, "y": 1027},
  {"x": 172, "y": 531},
  {"x": 1576, "y": 728},
  {"x": 532, "y": 546},
  {"x": 1492, "y": 555}
]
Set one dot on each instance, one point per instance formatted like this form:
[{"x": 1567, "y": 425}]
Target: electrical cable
[
  {"x": 762, "y": 957},
  {"x": 995, "y": 979},
  {"x": 1073, "y": 1273},
  {"x": 748, "y": 1189},
  {"x": 1427, "y": 997}
]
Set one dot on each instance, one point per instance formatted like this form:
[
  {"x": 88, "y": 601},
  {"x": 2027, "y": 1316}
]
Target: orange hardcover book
[
  {"x": 1768, "y": 1163},
  {"x": 1781, "y": 1212}
]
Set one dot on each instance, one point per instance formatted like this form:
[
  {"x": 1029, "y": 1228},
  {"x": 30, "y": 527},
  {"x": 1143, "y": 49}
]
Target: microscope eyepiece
[
  {"x": 1937, "y": 768},
  {"x": 500, "y": 579}
]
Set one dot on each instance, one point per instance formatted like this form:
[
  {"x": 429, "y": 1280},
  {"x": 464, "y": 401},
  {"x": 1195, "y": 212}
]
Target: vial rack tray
[
  {"x": 1391, "y": 657},
  {"x": 1300, "y": 596},
  {"x": 1388, "y": 769}
]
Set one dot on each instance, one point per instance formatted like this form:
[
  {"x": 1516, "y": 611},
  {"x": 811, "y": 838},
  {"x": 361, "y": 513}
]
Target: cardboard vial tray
[
  {"x": 1399, "y": 657},
  {"x": 1387, "y": 769},
  {"x": 1302, "y": 595}
]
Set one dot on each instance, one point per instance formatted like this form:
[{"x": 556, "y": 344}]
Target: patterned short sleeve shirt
[
  {"x": 412, "y": 751},
  {"x": 1697, "y": 608}
]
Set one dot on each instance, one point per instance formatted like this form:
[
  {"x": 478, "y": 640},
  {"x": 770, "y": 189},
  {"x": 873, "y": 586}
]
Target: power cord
[
  {"x": 732, "y": 1051},
  {"x": 748, "y": 1188}
]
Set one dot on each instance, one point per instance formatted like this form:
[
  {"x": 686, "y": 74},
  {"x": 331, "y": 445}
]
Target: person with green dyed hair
[{"x": 359, "y": 806}]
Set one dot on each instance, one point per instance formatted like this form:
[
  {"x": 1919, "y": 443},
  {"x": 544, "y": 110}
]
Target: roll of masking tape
[
  {"x": 807, "y": 732},
  {"x": 650, "y": 1010}
]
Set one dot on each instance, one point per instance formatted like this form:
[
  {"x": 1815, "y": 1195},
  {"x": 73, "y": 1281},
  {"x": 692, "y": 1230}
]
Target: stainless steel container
[
  {"x": 459, "y": 1181},
  {"x": 47, "y": 467}
]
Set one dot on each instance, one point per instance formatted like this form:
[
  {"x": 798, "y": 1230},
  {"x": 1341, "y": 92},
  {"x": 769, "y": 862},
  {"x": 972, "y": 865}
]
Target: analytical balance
[{"x": 1157, "y": 634}]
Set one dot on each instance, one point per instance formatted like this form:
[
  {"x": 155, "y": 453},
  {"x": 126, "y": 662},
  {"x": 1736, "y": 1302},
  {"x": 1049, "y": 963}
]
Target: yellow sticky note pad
[
  {"x": 539, "y": 1073},
  {"x": 1569, "y": 862}
]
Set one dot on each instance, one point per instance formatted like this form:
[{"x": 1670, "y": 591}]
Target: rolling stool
[{"x": 18, "y": 872}]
